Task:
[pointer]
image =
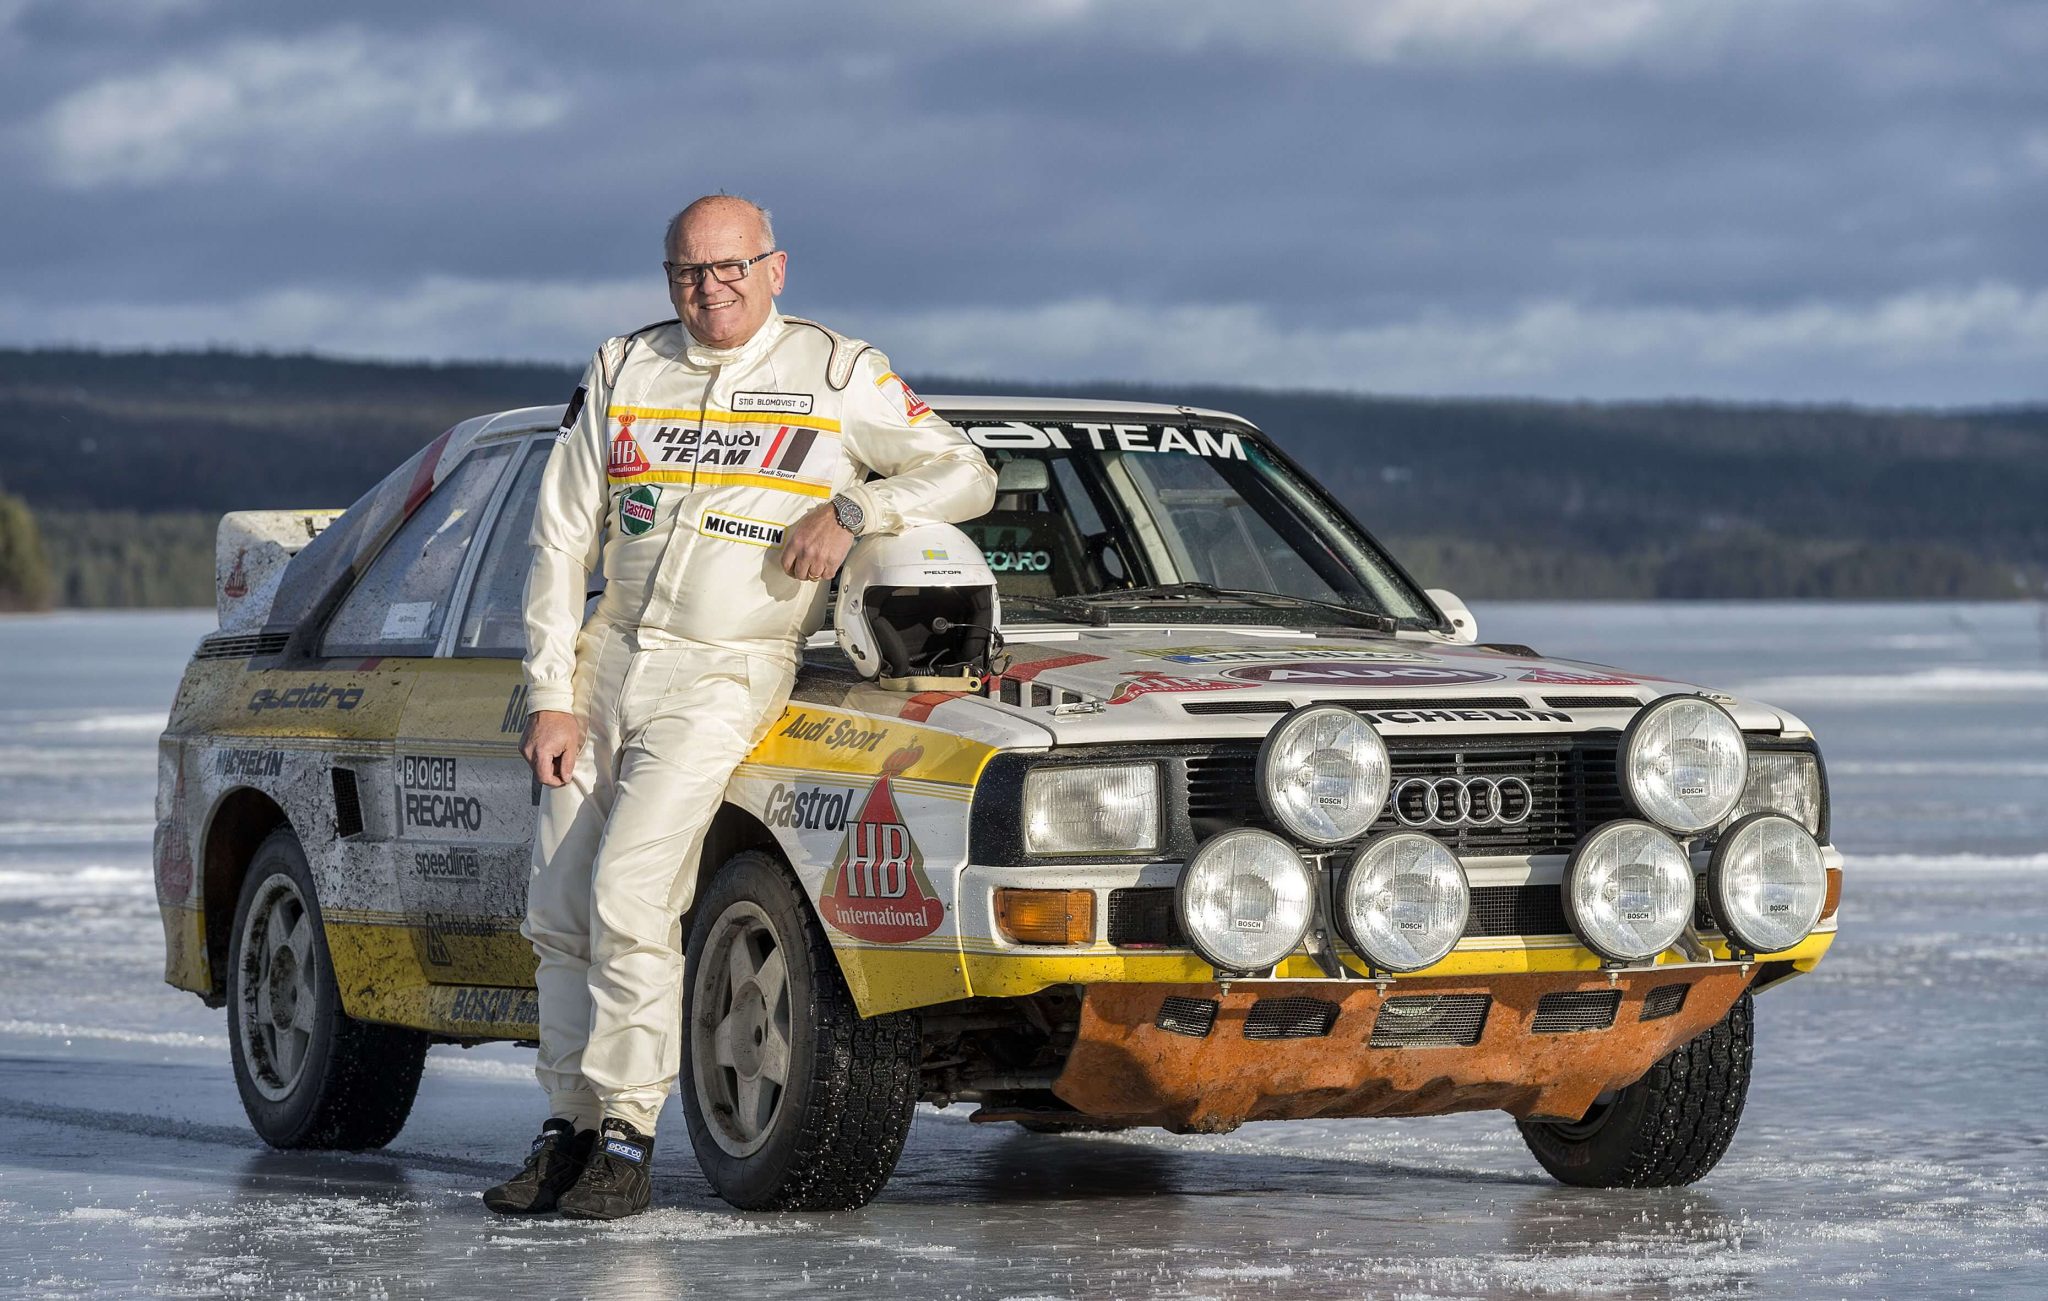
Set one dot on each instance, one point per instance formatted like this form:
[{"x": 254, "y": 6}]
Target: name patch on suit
[
  {"x": 788, "y": 404},
  {"x": 738, "y": 528}
]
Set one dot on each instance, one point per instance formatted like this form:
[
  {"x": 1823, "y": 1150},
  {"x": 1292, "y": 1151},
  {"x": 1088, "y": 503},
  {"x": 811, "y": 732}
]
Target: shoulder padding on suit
[{"x": 845, "y": 356}]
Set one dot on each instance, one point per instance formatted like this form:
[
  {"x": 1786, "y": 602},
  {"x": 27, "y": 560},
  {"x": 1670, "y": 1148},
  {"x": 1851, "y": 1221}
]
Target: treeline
[{"x": 128, "y": 458}]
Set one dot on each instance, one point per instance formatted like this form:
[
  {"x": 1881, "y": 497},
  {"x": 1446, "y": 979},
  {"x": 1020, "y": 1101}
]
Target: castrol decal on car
[{"x": 877, "y": 889}]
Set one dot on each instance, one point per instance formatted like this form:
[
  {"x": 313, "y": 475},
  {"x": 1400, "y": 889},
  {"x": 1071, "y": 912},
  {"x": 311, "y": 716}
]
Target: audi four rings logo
[{"x": 1452, "y": 801}]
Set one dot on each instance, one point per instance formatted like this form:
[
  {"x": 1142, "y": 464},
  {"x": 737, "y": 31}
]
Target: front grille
[
  {"x": 1703, "y": 919},
  {"x": 1592, "y": 702},
  {"x": 1143, "y": 917},
  {"x": 1290, "y": 1018},
  {"x": 1431, "y": 1021},
  {"x": 1192, "y": 1017},
  {"x": 240, "y": 646},
  {"x": 1576, "y": 1010},
  {"x": 1663, "y": 1001},
  {"x": 1238, "y": 707},
  {"x": 1573, "y": 780},
  {"x": 1499, "y": 910}
]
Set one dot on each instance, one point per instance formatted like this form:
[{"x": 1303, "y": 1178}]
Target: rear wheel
[
  {"x": 309, "y": 1076},
  {"x": 795, "y": 1101},
  {"x": 1670, "y": 1127}
]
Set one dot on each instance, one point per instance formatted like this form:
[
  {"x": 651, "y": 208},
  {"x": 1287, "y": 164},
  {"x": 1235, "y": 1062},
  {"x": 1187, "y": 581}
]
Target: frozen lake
[{"x": 1894, "y": 1143}]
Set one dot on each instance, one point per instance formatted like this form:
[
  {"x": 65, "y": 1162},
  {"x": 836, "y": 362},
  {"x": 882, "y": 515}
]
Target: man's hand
[
  {"x": 815, "y": 546},
  {"x": 552, "y": 742}
]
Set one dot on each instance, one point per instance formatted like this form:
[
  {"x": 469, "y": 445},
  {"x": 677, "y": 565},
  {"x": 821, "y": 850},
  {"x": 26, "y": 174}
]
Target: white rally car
[{"x": 1243, "y": 826}]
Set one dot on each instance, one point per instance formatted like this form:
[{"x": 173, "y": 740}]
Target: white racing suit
[{"x": 685, "y": 464}]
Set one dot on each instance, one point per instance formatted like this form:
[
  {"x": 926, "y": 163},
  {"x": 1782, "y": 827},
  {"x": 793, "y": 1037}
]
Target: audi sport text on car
[{"x": 1242, "y": 825}]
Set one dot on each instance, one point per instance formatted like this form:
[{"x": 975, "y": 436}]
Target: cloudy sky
[{"x": 1752, "y": 199}]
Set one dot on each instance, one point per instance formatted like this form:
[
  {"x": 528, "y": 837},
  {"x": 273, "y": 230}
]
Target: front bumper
[{"x": 1533, "y": 1054}]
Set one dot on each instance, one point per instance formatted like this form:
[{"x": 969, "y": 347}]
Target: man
[{"x": 717, "y": 460}]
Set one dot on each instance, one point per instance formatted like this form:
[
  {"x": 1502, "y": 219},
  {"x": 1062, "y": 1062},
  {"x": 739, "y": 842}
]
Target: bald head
[
  {"x": 734, "y": 273},
  {"x": 717, "y": 210}
]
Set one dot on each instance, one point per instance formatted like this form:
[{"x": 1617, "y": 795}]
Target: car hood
[{"x": 1157, "y": 684}]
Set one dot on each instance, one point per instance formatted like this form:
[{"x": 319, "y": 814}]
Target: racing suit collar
[{"x": 706, "y": 357}]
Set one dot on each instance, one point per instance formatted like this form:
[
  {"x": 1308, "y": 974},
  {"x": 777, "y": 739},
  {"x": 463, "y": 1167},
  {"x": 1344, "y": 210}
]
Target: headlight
[
  {"x": 1766, "y": 883},
  {"x": 1683, "y": 763},
  {"x": 1245, "y": 900},
  {"x": 1783, "y": 781},
  {"x": 1104, "y": 808},
  {"x": 1628, "y": 891},
  {"x": 1405, "y": 901},
  {"x": 1323, "y": 774}
]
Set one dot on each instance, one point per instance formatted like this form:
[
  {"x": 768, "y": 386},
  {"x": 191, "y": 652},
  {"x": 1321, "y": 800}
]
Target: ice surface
[{"x": 1891, "y": 1146}]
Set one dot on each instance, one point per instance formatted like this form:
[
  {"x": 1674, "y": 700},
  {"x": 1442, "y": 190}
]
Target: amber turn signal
[
  {"x": 1834, "y": 896},
  {"x": 1046, "y": 916}
]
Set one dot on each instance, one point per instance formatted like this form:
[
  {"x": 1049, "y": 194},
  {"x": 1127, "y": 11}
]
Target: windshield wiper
[
  {"x": 1270, "y": 600},
  {"x": 1066, "y": 607}
]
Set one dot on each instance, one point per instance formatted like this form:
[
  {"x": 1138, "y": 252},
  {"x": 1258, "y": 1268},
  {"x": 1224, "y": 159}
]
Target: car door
[{"x": 464, "y": 796}]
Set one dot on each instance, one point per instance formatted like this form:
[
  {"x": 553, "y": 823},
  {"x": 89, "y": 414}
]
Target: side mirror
[{"x": 1464, "y": 627}]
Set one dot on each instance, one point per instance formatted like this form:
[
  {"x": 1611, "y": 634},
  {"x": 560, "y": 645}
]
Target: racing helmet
[{"x": 918, "y": 610}]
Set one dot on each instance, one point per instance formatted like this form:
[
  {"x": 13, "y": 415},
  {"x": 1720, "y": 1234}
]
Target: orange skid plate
[{"x": 1124, "y": 1067}]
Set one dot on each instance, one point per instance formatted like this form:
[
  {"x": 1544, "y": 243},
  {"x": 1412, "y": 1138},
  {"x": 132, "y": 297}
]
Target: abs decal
[
  {"x": 1337, "y": 673},
  {"x": 877, "y": 889}
]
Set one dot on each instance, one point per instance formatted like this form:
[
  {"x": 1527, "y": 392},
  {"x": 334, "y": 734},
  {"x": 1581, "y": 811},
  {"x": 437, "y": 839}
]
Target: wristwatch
[{"x": 848, "y": 512}]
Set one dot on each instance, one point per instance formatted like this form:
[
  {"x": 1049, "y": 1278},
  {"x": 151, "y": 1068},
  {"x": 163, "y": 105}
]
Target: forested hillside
[{"x": 126, "y": 458}]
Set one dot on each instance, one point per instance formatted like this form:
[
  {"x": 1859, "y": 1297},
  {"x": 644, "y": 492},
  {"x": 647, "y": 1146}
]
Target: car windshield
[{"x": 1146, "y": 521}]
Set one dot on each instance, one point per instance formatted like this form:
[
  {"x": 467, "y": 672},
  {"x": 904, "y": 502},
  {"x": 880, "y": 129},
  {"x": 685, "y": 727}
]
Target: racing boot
[
  {"x": 552, "y": 1165},
  {"x": 617, "y": 1180}
]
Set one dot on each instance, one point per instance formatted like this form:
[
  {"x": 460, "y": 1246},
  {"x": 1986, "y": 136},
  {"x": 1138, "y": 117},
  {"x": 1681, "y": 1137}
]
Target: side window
[
  {"x": 494, "y": 623},
  {"x": 400, "y": 604}
]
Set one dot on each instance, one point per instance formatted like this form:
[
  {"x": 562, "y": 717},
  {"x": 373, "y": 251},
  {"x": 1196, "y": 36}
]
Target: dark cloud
[{"x": 1720, "y": 197}]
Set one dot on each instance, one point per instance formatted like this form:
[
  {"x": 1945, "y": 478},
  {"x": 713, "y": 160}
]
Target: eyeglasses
[{"x": 687, "y": 274}]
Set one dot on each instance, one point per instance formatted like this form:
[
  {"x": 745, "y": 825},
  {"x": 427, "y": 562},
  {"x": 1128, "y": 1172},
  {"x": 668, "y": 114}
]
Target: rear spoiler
[{"x": 250, "y": 552}]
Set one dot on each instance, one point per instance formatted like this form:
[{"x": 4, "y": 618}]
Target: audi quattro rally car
[{"x": 1239, "y": 824}]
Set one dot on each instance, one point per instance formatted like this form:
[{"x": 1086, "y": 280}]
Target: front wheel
[
  {"x": 1670, "y": 1127},
  {"x": 309, "y": 1076},
  {"x": 795, "y": 1101}
]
